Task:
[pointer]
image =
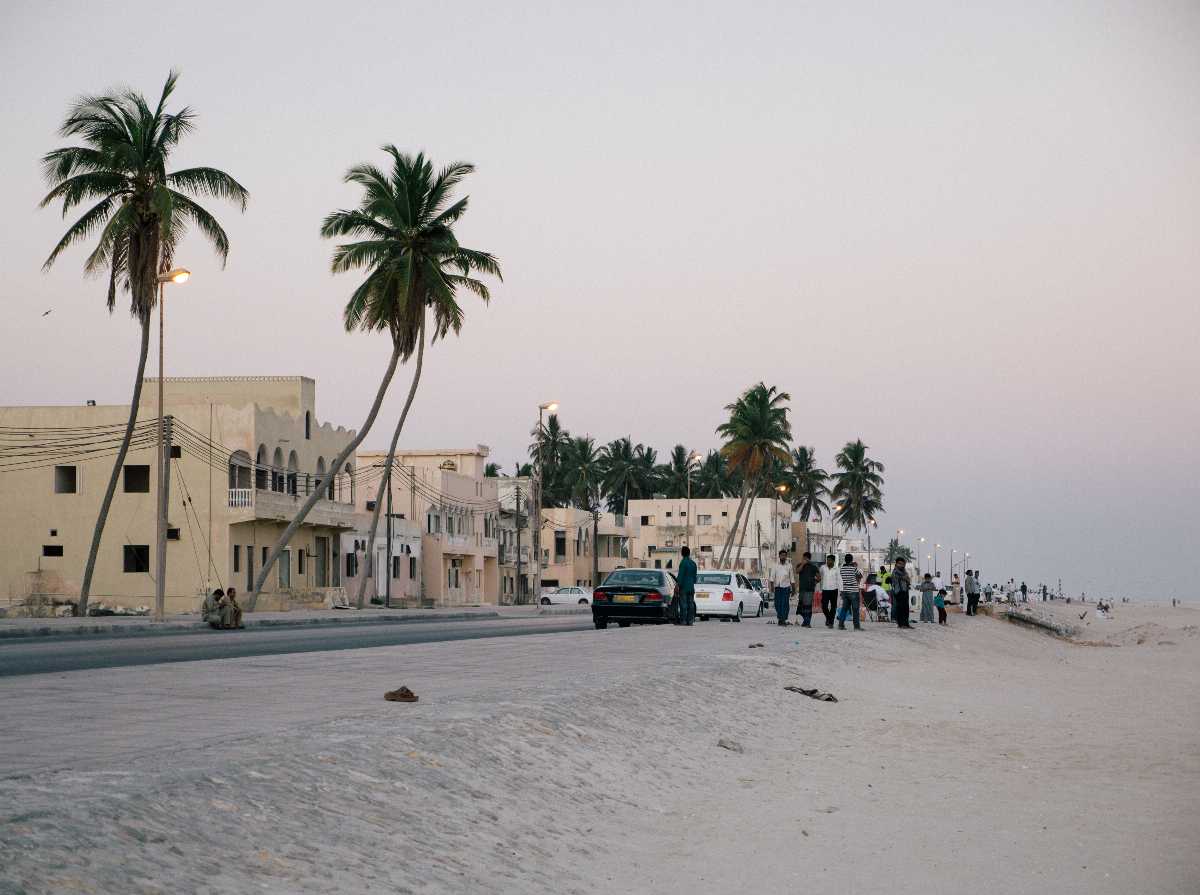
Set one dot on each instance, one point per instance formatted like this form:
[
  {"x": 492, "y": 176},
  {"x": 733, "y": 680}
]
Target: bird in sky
[{"x": 47, "y": 312}]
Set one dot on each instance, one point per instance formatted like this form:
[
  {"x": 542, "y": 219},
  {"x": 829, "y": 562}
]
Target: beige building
[
  {"x": 247, "y": 450},
  {"x": 446, "y": 493},
  {"x": 567, "y": 546},
  {"x": 393, "y": 576},
  {"x": 664, "y": 527},
  {"x": 515, "y": 550}
]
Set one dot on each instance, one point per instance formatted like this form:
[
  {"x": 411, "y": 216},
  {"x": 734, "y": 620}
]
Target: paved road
[{"x": 46, "y": 655}]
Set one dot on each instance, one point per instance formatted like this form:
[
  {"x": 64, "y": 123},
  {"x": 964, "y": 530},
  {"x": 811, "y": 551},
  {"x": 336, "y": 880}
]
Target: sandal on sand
[
  {"x": 814, "y": 693},
  {"x": 402, "y": 695},
  {"x": 757, "y": 645}
]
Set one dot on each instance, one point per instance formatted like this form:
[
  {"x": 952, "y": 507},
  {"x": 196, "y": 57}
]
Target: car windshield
[
  {"x": 756, "y": 581},
  {"x": 711, "y": 578},
  {"x": 635, "y": 577}
]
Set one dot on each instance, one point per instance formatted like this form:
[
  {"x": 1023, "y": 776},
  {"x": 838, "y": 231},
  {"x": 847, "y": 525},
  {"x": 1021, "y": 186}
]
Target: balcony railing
[{"x": 241, "y": 497}]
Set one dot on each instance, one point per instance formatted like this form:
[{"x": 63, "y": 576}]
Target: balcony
[{"x": 255, "y": 503}]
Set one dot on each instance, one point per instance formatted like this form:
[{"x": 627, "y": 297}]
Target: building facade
[
  {"x": 664, "y": 527},
  {"x": 246, "y": 451},
  {"x": 393, "y": 575},
  {"x": 458, "y": 511}
]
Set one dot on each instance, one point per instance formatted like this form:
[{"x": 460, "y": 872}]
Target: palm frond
[{"x": 209, "y": 182}]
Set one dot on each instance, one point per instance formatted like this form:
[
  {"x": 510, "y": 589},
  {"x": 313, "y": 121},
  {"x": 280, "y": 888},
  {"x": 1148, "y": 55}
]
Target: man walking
[
  {"x": 1024, "y": 593},
  {"x": 851, "y": 577},
  {"x": 781, "y": 583},
  {"x": 900, "y": 588},
  {"x": 806, "y": 583},
  {"x": 830, "y": 582},
  {"x": 686, "y": 576}
]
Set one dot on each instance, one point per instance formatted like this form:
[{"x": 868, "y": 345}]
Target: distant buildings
[{"x": 664, "y": 527}]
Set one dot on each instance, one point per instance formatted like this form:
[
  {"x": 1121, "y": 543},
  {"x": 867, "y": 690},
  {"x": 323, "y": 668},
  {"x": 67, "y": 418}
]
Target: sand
[{"x": 983, "y": 757}]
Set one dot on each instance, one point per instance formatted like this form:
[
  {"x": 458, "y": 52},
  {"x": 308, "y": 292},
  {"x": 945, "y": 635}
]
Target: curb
[
  {"x": 199, "y": 627},
  {"x": 1064, "y": 631},
  {"x": 565, "y": 610}
]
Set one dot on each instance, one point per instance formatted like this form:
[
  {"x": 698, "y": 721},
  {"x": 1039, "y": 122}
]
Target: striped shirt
[{"x": 850, "y": 576}]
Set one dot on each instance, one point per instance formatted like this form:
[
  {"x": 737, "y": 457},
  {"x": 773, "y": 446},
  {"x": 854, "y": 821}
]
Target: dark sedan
[{"x": 634, "y": 595}]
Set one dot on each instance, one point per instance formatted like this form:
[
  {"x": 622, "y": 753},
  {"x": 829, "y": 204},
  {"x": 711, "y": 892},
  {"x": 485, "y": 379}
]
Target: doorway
[{"x": 322, "y": 569}]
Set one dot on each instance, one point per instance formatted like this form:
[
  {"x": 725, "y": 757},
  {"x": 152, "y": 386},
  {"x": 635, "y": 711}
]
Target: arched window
[
  {"x": 239, "y": 471},
  {"x": 320, "y": 472},
  {"x": 293, "y": 469},
  {"x": 308, "y": 424},
  {"x": 261, "y": 480},
  {"x": 277, "y": 482}
]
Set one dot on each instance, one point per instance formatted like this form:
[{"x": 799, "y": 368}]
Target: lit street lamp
[
  {"x": 547, "y": 407},
  {"x": 779, "y": 490},
  {"x": 178, "y": 275}
]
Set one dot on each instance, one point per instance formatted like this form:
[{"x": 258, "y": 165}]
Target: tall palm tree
[
  {"x": 583, "y": 475},
  {"x": 404, "y": 232},
  {"x": 648, "y": 472},
  {"x": 491, "y": 471},
  {"x": 806, "y": 483},
  {"x": 858, "y": 486},
  {"x": 896, "y": 550},
  {"x": 141, "y": 214},
  {"x": 621, "y": 474},
  {"x": 712, "y": 479},
  {"x": 756, "y": 433},
  {"x": 553, "y": 440}
]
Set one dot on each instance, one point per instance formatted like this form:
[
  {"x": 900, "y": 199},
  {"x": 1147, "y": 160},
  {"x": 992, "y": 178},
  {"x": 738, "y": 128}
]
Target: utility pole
[
  {"x": 517, "y": 585},
  {"x": 387, "y": 571},
  {"x": 164, "y": 471}
]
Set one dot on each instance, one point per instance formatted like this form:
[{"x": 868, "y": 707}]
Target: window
[
  {"x": 52, "y": 550},
  {"x": 172, "y": 534},
  {"x": 658, "y": 564},
  {"x": 66, "y": 479},
  {"x": 683, "y": 515},
  {"x": 704, "y": 519},
  {"x": 264, "y": 556},
  {"x": 706, "y": 548},
  {"x": 285, "y": 568},
  {"x": 395, "y": 567},
  {"x": 54, "y": 532},
  {"x": 370, "y": 506},
  {"x": 412, "y": 568},
  {"x": 137, "y": 556},
  {"x": 308, "y": 424},
  {"x": 137, "y": 479},
  {"x": 724, "y": 514},
  {"x": 300, "y": 560},
  {"x": 351, "y": 565},
  {"x": 176, "y": 452},
  {"x": 237, "y": 557},
  {"x": 668, "y": 514}
]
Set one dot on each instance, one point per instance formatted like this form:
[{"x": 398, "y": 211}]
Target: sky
[{"x": 968, "y": 234}]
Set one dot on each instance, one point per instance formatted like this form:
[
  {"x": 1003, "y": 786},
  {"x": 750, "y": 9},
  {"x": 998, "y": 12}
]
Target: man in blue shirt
[{"x": 687, "y": 588}]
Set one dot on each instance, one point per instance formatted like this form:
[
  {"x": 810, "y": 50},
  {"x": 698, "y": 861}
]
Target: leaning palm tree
[
  {"x": 858, "y": 486},
  {"x": 404, "y": 227},
  {"x": 806, "y": 484},
  {"x": 141, "y": 214},
  {"x": 756, "y": 435},
  {"x": 407, "y": 222}
]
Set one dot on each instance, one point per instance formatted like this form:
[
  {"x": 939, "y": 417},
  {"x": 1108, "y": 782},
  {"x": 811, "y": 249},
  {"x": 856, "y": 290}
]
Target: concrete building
[
  {"x": 514, "y": 550},
  {"x": 397, "y": 583},
  {"x": 663, "y": 528},
  {"x": 446, "y": 493},
  {"x": 247, "y": 450},
  {"x": 567, "y": 546}
]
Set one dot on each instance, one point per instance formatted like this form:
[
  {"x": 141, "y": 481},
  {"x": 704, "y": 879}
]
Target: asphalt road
[{"x": 37, "y": 655}]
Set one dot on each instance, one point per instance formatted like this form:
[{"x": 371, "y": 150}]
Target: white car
[
  {"x": 725, "y": 594},
  {"x": 577, "y": 595}
]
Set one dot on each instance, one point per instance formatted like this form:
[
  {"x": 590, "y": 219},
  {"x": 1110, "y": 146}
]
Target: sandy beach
[{"x": 981, "y": 757}]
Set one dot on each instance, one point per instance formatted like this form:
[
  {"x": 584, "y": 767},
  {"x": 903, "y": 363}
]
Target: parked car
[
  {"x": 726, "y": 594},
  {"x": 633, "y": 595},
  {"x": 580, "y": 595}
]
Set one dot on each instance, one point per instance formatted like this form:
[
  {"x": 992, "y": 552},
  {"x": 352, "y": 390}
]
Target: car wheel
[
  {"x": 545, "y": 601},
  {"x": 600, "y": 624},
  {"x": 624, "y": 624},
  {"x": 738, "y": 617},
  {"x": 583, "y": 602}
]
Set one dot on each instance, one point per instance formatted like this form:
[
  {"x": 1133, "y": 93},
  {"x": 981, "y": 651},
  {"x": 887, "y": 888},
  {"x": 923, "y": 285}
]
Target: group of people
[
  {"x": 844, "y": 590},
  {"x": 221, "y": 610}
]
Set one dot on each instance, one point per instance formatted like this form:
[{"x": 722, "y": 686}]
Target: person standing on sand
[
  {"x": 781, "y": 586},
  {"x": 830, "y": 585},
  {"x": 900, "y": 587},
  {"x": 972, "y": 588},
  {"x": 1024, "y": 593},
  {"x": 806, "y": 583},
  {"x": 927, "y": 590},
  {"x": 851, "y": 600},
  {"x": 939, "y": 601},
  {"x": 686, "y": 576}
]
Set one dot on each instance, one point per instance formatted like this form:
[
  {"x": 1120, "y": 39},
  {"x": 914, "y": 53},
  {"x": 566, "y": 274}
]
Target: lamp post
[
  {"x": 952, "y": 552},
  {"x": 920, "y": 541},
  {"x": 936, "y": 548},
  {"x": 779, "y": 490},
  {"x": 692, "y": 459},
  {"x": 547, "y": 407},
  {"x": 871, "y": 523},
  {"x": 178, "y": 275}
]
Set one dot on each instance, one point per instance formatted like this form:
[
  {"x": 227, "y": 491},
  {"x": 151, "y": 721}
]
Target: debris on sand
[
  {"x": 401, "y": 695},
  {"x": 814, "y": 693},
  {"x": 731, "y": 745}
]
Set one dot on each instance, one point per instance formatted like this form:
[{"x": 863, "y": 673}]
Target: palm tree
[
  {"x": 491, "y": 471},
  {"x": 553, "y": 439},
  {"x": 806, "y": 484},
  {"x": 858, "y": 486},
  {"x": 404, "y": 231},
  {"x": 712, "y": 479},
  {"x": 621, "y": 474},
  {"x": 896, "y": 550},
  {"x": 141, "y": 214},
  {"x": 756, "y": 433},
  {"x": 583, "y": 475},
  {"x": 673, "y": 475},
  {"x": 647, "y": 468}
]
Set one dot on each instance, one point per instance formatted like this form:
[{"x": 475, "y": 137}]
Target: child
[
  {"x": 927, "y": 588},
  {"x": 940, "y": 602}
]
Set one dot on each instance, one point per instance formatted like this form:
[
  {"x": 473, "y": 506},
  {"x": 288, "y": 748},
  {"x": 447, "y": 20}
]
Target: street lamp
[
  {"x": 178, "y": 275},
  {"x": 779, "y": 490},
  {"x": 693, "y": 459},
  {"x": 547, "y": 407},
  {"x": 921, "y": 541},
  {"x": 871, "y": 523}
]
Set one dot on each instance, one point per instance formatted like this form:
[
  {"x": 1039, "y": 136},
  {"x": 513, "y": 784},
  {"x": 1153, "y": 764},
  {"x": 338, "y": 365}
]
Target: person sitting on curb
[
  {"x": 213, "y": 611},
  {"x": 235, "y": 611}
]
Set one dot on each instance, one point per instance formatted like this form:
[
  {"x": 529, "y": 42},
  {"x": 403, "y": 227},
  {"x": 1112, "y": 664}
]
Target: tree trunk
[
  {"x": 334, "y": 469},
  {"x": 385, "y": 481},
  {"x": 118, "y": 464},
  {"x": 595, "y": 548},
  {"x": 734, "y": 527},
  {"x": 742, "y": 539}
]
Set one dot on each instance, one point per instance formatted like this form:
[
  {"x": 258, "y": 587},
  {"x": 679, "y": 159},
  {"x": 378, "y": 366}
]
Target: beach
[{"x": 983, "y": 757}]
